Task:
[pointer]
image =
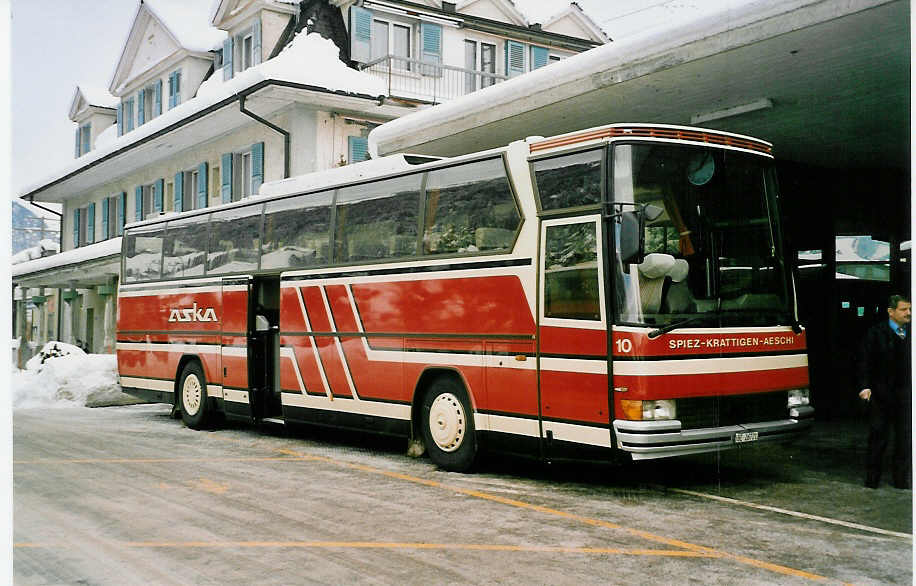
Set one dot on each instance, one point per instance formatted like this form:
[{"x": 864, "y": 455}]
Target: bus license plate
[{"x": 745, "y": 436}]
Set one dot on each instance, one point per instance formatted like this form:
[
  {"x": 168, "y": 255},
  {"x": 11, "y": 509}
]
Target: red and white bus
[{"x": 622, "y": 289}]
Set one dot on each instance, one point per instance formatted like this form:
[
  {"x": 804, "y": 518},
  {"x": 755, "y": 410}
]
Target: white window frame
[
  {"x": 482, "y": 82},
  {"x": 390, "y": 24},
  {"x": 190, "y": 178},
  {"x": 241, "y": 177},
  {"x": 243, "y": 59}
]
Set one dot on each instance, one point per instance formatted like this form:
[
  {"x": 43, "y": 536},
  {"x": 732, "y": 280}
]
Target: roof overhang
[
  {"x": 836, "y": 73},
  {"x": 84, "y": 267},
  {"x": 264, "y": 98}
]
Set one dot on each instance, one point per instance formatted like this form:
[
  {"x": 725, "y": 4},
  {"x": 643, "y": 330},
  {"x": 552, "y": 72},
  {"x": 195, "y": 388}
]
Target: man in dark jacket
[{"x": 885, "y": 378}]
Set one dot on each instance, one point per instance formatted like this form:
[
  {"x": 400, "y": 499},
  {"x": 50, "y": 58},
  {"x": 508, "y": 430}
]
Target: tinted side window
[
  {"x": 143, "y": 253},
  {"x": 234, "y": 239},
  {"x": 469, "y": 208},
  {"x": 185, "y": 248},
  {"x": 569, "y": 181},
  {"x": 296, "y": 232},
  {"x": 571, "y": 272},
  {"x": 377, "y": 220}
]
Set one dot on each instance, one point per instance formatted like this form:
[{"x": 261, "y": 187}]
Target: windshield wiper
[{"x": 675, "y": 325}]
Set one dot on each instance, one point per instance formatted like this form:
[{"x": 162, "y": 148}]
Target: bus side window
[
  {"x": 571, "y": 272},
  {"x": 469, "y": 208},
  {"x": 184, "y": 249},
  {"x": 235, "y": 236},
  {"x": 377, "y": 221},
  {"x": 297, "y": 232},
  {"x": 569, "y": 181},
  {"x": 144, "y": 254}
]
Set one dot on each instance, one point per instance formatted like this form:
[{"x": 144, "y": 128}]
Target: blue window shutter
[
  {"x": 141, "y": 120},
  {"x": 120, "y": 120},
  {"x": 139, "y": 202},
  {"x": 157, "y": 110},
  {"x": 227, "y": 59},
  {"x": 256, "y": 42},
  {"x": 226, "y": 179},
  {"x": 540, "y": 57},
  {"x": 122, "y": 212},
  {"x": 76, "y": 148},
  {"x": 76, "y": 228},
  {"x": 157, "y": 194},
  {"x": 257, "y": 166},
  {"x": 360, "y": 34},
  {"x": 90, "y": 224},
  {"x": 515, "y": 58},
  {"x": 358, "y": 148},
  {"x": 177, "y": 87},
  {"x": 202, "y": 186},
  {"x": 106, "y": 234},
  {"x": 431, "y": 47},
  {"x": 179, "y": 191}
]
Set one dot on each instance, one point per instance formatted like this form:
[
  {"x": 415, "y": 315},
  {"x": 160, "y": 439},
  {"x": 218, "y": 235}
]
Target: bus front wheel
[
  {"x": 192, "y": 396},
  {"x": 448, "y": 426}
]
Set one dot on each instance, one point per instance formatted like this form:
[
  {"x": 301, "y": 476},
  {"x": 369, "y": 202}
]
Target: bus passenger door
[
  {"x": 237, "y": 399},
  {"x": 572, "y": 337}
]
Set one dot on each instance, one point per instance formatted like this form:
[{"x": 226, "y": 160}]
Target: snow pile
[
  {"x": 324, "y": 70},
  {"x": 62, "y": 375},
  {"x": 42, "y": 249}
]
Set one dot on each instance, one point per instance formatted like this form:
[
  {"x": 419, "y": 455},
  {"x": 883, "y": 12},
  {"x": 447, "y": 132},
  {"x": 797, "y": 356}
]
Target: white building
[{"x": 207, "y": 103}]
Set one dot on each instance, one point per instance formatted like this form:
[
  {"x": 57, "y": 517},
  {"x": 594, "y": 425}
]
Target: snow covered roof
[
  {"x": 189, "y": 22},
  {"x": 325, "y": 72},
  {"x": 75, "y": 256},
  {"x": 86, "y": 96},
  {"x": 185, "y": 26}
]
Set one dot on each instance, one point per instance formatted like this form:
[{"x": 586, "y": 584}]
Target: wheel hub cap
[
  {"x": 191, "y": 395},
  {"x": 447, "y": 423}
]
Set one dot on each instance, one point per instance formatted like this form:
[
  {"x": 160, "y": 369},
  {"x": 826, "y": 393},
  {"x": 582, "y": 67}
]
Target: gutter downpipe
[{"x": 271, "y": 125}]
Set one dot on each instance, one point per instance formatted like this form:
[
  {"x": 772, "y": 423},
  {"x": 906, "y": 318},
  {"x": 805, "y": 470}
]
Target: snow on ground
[{"x": 62, "y": 375}]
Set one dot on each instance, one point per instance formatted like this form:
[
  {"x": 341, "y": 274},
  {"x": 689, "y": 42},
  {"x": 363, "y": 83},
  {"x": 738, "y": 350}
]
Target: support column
[
  {"x": 23, "y": 326},
  {"x": 70, "y": 297},
  {"x": 107, "y": 291}
]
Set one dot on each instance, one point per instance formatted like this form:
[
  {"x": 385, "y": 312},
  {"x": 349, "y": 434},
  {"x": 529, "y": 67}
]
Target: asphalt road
[{"x": 127, "y": 495}]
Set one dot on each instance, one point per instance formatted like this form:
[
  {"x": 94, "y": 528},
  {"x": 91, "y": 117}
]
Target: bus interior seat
[
  {"x": 653, "y": 273},
  {"x": 493, "y": 238},
  {"x": 679, "y": 299}
]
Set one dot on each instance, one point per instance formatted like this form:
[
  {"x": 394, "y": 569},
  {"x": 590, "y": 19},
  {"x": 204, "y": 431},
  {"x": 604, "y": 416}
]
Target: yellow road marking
[
  {"x": 698, "y": 549},
  {"x": 690, "y": 549},
  {"x": 394, "y": 545}
]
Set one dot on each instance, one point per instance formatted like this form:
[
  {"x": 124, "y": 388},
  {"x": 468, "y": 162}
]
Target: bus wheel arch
[
  {"x": 191, "y": 393},
  {"x": 443, "y": 415}
]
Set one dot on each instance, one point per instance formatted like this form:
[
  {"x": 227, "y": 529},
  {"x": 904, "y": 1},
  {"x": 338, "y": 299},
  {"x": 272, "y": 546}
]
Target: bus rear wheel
[
  {"x": 448, "y": 425},
  {"x": 192, "y": 396}
]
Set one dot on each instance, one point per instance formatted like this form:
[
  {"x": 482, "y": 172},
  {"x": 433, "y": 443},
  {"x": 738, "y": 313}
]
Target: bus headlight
[
  {"x": 798, "y": 397},
  {"x": 648, "y": 410}
]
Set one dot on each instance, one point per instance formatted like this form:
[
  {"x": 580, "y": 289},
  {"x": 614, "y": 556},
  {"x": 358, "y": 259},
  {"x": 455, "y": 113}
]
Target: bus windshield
[{"x": 711, "y": 251}]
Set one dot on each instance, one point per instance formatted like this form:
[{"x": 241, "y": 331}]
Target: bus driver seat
[
  {"x": 653, "y": 272},
  {"x": 679, "y": 299}
]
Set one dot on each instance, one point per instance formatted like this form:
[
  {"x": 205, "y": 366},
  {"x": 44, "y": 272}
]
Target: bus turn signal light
[
  {"x": 632, "y": 410},
  {"x": 648, "y": 410}
]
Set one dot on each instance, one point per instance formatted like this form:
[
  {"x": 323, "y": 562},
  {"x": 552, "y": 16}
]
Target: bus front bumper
[{"x": 645, "y": 440}]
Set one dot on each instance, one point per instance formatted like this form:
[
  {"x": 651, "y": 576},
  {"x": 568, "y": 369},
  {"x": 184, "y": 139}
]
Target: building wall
[{"x": 318, "y": 141}]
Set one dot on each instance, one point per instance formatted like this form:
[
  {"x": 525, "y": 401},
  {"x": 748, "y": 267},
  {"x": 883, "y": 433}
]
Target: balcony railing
[{"x": 421, "y": 81}]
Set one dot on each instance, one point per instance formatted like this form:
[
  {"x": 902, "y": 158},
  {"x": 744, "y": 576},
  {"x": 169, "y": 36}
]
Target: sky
[{"x": 57, "y": 45}]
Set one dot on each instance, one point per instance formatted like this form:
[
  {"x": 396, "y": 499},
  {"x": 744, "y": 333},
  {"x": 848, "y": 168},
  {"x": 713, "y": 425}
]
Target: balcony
[{"x": 428, "y": 83}]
